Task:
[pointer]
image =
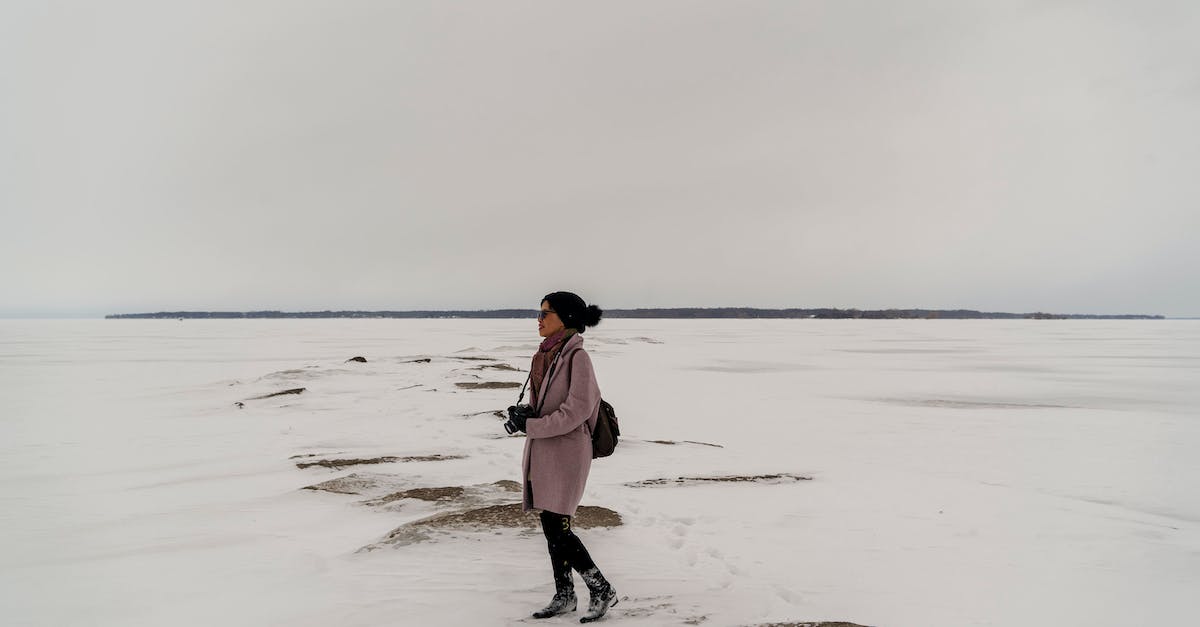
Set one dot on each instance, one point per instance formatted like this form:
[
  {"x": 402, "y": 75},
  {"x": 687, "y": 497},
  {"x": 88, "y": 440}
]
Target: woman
[{"x": 558, "y": 448}]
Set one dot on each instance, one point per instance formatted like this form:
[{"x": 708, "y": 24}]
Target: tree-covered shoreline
[{"x": 673, "y": 313}]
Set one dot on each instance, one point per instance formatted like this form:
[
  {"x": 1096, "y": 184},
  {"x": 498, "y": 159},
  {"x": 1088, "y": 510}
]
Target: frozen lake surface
[{"x": 973, "y": 472}]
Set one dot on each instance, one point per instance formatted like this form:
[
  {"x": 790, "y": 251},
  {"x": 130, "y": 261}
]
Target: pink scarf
[
  {"x": 541, "y": 360},
  {"x": 549, "y": 342}
]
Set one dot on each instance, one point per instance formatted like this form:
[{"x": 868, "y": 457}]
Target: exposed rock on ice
[
  {"x": 291, "y": 391},
  {"x": 492, "y": 412},
  {"x": 342, "y": 463},
  {"x": 467, "y": 496},
  {"x": 304, "y": 455},
  {"x": 490, "y": 518},
  {"x": 431, "y": 458},
  {"x": 771, "y": 479},
  {"x": 350, "y": 484},
  {"x": 817, "y": 624},
  {"x": 487, "y": 385},
  {"x": 385, "y": 489},
  {"x": 511, "y": 515},
  {"x": 673, "y": 442},
  {"x": 448, "y": 493}
]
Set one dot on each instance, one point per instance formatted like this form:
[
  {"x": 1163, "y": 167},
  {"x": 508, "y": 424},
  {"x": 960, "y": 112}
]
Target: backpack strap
[{"x": 570, "y": 362}]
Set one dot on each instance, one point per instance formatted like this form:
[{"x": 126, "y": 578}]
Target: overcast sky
[{"x": 301, "y": 155}]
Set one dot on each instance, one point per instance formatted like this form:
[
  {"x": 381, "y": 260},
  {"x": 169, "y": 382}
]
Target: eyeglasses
[{"x": 545, "y": 312}]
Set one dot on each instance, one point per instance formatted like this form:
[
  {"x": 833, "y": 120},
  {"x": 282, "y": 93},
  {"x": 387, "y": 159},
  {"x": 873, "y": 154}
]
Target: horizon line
[
  {"x": 510, "y": 312},
  {"x": 636, "y": 312}
]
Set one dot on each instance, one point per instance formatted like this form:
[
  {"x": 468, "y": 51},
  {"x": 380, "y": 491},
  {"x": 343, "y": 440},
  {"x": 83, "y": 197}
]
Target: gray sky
[{"x": 297, "y": 155}]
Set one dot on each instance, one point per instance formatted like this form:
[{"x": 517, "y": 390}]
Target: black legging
[{"x": 566, "y": 550}]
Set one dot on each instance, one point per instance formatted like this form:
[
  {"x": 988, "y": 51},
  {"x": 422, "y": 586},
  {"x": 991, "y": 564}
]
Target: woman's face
[{"x": 548, "y": 322}]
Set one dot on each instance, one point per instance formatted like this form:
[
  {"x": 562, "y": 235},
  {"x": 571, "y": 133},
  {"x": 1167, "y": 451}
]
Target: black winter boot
[
  {"x": 564, "y": 601},
  {"x": 603, "y": 595},
  {"x": 564, "y": 582}
]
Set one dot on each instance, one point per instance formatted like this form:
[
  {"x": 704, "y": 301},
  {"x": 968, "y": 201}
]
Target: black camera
[{"x": 517, "y": 415}]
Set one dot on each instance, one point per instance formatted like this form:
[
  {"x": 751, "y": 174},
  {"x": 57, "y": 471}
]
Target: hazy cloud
[{"x": 1011, "y": 156}]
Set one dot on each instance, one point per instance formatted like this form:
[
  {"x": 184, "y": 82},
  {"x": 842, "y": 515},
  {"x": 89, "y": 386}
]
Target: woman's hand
[{"x": 517, "y": 417}]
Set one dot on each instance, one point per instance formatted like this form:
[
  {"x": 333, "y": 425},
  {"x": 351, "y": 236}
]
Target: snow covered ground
[{"x": 963, "y": 473}]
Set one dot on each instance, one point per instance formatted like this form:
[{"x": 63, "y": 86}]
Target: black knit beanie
[{"x": 574, "y": 313}]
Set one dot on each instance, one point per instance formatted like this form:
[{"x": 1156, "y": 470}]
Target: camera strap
[{"x": 522, "y": 396}]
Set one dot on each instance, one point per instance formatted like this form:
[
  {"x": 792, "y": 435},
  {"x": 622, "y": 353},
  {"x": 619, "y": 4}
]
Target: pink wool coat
[{"x": 558, "y": 443}]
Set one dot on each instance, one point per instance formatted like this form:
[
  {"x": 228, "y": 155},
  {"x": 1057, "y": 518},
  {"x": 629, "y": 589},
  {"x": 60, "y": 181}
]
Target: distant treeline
[{"x": 683, "y": 312}]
